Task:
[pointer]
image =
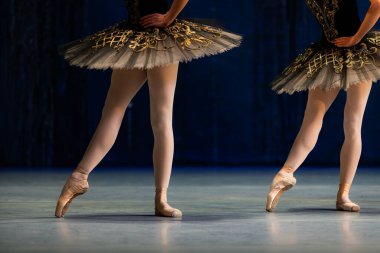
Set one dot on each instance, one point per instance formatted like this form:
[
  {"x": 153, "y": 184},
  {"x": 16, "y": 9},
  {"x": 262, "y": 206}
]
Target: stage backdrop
[{"x": 225, "y": 112}]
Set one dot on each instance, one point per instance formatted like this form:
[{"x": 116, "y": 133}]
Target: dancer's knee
[
  {"x": 161, "y": 126},
  {"x": 352, "y": 128}
]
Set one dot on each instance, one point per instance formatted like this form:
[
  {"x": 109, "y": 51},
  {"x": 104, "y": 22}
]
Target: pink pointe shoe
[
  {"x": 73, "y": 188},
  {"x": 162, "y": 208},
  {"x": 347, "y": 206},
  {"x": 344, "y": 203},
  {"x": 283, "y": 181}
]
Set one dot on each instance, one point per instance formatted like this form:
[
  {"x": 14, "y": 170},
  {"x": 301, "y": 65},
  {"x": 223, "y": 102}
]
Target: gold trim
[
  {"x": 324, "y": 11},
  {"x": 317, "y": 57},
  {"x": 186, "y": 35}
]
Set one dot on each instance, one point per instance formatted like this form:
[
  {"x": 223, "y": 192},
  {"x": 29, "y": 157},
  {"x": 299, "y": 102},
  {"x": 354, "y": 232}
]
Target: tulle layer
[
  {"x": 122, "y": 47},
  {"x": 330, "y": 67}
]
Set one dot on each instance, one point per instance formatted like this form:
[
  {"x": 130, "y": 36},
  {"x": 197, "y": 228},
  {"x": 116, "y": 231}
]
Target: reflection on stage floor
[{"x": 224, "y": 211}]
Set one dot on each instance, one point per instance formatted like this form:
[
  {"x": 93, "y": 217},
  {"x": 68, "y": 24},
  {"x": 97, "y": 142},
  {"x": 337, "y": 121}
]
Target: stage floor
[{"x": 223, "y": 212}]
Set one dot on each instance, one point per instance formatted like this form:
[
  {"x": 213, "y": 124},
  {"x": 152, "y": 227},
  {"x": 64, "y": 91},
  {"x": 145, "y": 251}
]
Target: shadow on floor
[{"x": 117, "y": 218}]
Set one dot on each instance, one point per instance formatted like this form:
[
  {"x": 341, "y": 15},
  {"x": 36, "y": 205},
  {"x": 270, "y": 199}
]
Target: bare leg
[
  {"x": 124, "y": 86},
  {"x": 317, "y": 105},
  {"x": 162, "y": 83},
  {"x": 357, "y": 97}
]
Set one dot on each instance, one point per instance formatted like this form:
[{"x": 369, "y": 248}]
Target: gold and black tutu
[
  {"x": 325, "y": 66},
  {"x": 332, "y": 67},
  {"x": 124, "y": 47}
]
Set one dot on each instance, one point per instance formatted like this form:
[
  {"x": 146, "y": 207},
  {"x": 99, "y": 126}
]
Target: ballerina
[
  {"x": 146, "y": 47},
  {"x": 347, "y": 58}
]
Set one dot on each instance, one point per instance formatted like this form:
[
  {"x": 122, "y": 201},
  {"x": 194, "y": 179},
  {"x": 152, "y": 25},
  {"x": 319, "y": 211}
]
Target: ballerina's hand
[
  {"x": 346, "y": 41},
  {"x": 154, "y": 20}
]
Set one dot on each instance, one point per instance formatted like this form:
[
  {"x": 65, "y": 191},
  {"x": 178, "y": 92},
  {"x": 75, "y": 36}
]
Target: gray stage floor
[{"x": 223, "y": 212}]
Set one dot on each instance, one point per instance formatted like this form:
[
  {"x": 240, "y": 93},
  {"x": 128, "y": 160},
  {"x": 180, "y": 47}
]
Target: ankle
[
  {"x": 287, "y": 169},
  {"x": 343, "y": 192},
  {"x": 161, "y": 195},
  {"x": 80, "y": 174}
]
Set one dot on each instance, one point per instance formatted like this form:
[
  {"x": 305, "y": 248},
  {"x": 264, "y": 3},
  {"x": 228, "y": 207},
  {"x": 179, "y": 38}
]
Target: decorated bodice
[
  {"x": 337, "y": 18},
  {"x": 139, "y": 8}
]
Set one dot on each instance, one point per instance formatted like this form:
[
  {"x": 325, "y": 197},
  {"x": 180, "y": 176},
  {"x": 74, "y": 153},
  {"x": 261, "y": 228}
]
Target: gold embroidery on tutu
[
  {"x": 356, "y": 59},
  {"x": 299, "y": 62},
  {"x": 115, "y": 39},
  {"x": 144, "y": 40},
  {"x": 376, "y": 39},
  {"x": 317, "y": 57},
  {"x": 325, "y": 14},
  {"x": 322, "y": 59},
  {"x": 185, "y": 34}
]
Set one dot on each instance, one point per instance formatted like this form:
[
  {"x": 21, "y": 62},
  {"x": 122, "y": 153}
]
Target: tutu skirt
[
  {"x": 332, "y": 67},
  {"x": 123, "y": 47}
]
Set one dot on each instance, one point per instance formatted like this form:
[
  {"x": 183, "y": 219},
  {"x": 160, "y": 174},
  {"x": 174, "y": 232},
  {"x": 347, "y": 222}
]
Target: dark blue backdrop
[{"x": 225, "y": 112}]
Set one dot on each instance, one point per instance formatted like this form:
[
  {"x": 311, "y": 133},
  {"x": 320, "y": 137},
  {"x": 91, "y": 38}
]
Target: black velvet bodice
[
  {"x": 337, "y": 18},
  {"x": 139, "y": 8}
]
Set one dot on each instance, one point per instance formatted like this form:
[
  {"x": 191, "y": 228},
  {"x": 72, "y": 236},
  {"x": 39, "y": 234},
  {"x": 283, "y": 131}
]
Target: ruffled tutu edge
[
  {"x": 332, "y": 68},
  {"x": 337, "y": 84},
  {"x": 123, "y": 48}
]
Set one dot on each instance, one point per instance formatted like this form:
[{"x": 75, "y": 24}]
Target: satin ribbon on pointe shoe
[{"x": 283, "y": 181}]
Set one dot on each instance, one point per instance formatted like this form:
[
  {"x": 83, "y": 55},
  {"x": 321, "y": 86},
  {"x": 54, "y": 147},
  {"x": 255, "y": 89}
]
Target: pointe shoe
[
  {"x": 282, "y": 182},
  {"x": 347, "y": 206},
  {"x": 163, "y": 209},
  {"x": 73, "y": 188},
  {"x": 344, "y": 203}
]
